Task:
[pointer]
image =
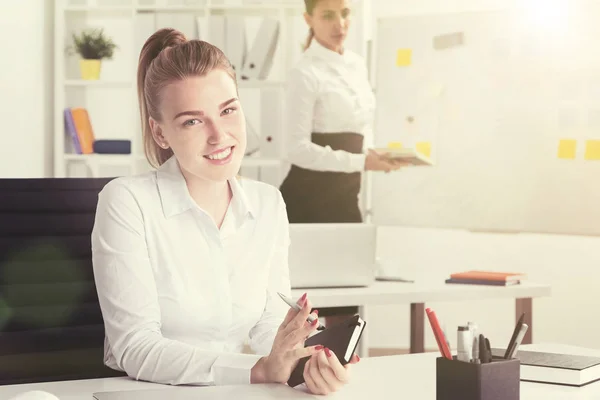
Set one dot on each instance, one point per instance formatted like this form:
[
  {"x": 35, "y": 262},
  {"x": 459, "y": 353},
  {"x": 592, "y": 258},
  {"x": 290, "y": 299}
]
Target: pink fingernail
[
  {"x": 302, "y": 299},
  {"x": 328, "y": 352}
]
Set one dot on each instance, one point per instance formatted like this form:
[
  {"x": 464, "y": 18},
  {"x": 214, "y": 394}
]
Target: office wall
[
  {"x": 26, "y": 69},
  {"x": 568, "y": 263}
]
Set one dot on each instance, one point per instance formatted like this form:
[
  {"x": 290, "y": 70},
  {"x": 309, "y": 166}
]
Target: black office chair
[{"x": 51, "y": 326}]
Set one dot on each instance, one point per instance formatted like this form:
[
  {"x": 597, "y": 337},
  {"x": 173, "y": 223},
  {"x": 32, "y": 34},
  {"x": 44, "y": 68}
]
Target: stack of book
[
  {"x": 560, "y": 369},
  {"x": 486, "y": 278}
]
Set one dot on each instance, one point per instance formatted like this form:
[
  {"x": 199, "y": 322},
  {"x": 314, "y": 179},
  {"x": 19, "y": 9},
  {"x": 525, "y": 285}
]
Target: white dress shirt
[
  {"x": 180, "y": 297},
  {"x": 327, "y": 92}
]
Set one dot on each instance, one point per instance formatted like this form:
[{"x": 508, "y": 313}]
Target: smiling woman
[
  {"x": 190, "y": 109},
  {"x": 188, "y": 259},
  {"x": 202, "y": 122}
]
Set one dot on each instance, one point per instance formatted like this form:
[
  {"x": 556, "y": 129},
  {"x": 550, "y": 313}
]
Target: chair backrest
[{"x": 51, "y": 326}]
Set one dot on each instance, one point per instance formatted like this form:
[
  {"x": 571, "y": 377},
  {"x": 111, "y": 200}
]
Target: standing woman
[{"x": 330, "y": 109}]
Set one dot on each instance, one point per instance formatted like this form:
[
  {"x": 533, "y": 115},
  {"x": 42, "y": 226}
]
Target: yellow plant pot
[{"x": 90, "y": 69}]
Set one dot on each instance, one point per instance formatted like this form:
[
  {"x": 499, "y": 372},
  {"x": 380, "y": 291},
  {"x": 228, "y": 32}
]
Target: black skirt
[{"x": 324, "y": 196}]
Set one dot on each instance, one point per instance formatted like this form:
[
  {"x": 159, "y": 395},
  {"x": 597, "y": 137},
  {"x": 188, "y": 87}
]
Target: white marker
[
  {"x": 474, "y": 328},
  {"x": 518, "y": 340},
  {"x": 465, "y": 344}
]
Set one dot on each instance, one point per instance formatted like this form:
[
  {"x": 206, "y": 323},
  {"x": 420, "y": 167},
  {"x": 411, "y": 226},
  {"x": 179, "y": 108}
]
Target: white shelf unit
[{"x": 112, "y": 100}]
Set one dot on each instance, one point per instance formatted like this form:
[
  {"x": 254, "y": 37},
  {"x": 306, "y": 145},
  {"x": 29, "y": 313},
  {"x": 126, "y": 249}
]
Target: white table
[
  {"x": 417, "y": 294},
  {"x": 400, "y": 377}
]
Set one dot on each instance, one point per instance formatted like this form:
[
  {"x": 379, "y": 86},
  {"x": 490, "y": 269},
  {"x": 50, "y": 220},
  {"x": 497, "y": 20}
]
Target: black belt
[{"x": 325, "y": 196}]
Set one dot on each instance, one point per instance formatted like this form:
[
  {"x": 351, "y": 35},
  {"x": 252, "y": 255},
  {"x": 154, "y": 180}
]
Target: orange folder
[
  {"x": 83, "y": 126},
  {"x": 488, "y": 276}
]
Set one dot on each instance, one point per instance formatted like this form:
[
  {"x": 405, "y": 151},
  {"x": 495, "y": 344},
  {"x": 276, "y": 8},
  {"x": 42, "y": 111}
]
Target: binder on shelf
[
  {"x": 252, "y": 139},
  {"x": 272, "y": 110},
  {"x": 83, "y": 127},
  {"x": 202, "y": 29},
  {"x": 112, "y": 146},
  {"x": 183, "y": 22},
  {"x": 71, "y": 131},
  {"x": 260, "y": 59},
  {"x": 216, "y": 31},
  {"x": 235, "y": 41}
]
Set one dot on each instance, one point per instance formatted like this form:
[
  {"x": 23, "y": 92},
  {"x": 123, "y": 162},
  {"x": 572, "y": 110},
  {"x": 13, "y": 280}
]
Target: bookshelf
[{"x": 111, "y": 101}]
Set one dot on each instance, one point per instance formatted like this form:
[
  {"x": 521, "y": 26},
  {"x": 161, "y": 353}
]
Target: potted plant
[{"x": 93, "y": 46}]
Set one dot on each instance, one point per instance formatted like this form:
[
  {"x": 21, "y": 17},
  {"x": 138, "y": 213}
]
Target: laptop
[
  {"x": 332, "y": 255},
  {"x": 162, "y": 392}
]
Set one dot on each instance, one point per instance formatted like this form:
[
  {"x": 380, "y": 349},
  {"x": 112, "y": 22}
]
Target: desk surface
[
  {"x": 408, "y": 376},
  {"x": 381, "y": 293}
]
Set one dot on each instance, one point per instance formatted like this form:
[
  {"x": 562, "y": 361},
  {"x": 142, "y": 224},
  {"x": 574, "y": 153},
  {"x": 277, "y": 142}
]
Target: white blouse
[
  {"x": 327, "y": 92},
  {"x": 180, "y": 297}
]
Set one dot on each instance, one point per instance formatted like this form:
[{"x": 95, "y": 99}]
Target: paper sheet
[
  {"x": 568, "y": 119},
  {"x": 424, "y": 148},
  {"x": 449, "y": 40},
  {"x": 403, "y": 57},
  {"x": 592, "y": 150},
  {"x": 567, "y": 149}
]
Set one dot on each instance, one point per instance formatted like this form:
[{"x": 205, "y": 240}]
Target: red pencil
[{"x": 438, "y": 333}]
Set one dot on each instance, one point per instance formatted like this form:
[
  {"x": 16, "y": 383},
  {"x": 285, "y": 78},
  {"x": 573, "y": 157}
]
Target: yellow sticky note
[
  {"x": 394, "y": 145},
  {"x": 424, "y": 148},
  {"x": 403, "y": 57},
  {"x": 592, "y": 150},
  {"x": 567, "y": 149}
]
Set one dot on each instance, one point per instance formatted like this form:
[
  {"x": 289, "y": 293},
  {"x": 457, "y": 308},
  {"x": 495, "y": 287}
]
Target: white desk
[
  {"x": 400, "y": 377},
  {"x": 417, "y": 294}
]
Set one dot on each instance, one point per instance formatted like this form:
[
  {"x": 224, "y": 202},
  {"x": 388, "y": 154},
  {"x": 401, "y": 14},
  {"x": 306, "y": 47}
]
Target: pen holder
[{"x": 498, "y": 380}]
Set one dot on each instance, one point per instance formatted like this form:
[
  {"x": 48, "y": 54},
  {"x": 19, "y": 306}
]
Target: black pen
[
  {"x": 485, "y": 352},
  {"x": 489, "y": 350},
  {"x": 514, "y": 336},
  {"x": 482, "y": 349}
]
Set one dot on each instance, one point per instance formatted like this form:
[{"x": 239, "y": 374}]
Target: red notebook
[{"x": 488, "y": 276}]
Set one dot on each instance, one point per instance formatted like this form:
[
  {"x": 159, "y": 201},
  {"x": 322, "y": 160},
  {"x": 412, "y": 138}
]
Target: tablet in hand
[{"x": 404, "y": 155}]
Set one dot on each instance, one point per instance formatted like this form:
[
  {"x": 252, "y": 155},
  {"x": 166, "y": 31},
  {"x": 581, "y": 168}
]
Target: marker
[
  {"x": 484, "y": 357},
  {"x": 514, "y": 336},
  {"x": 465, "y": 344},
  {"x": 474, "y": 328},
  {"x": 488, "y": 350},
  {"x": 438, "y": 334},
  {"x": 518, "y": 341},
  {"x": 311, "y": 318},
  {"x": 446, "y": 336}
]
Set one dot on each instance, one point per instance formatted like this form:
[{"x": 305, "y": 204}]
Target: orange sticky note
[
  {"x": 592, "y": 150},
  {"x": 567, "y": 148},
  {"x": 424, "y": 148},
  {"x": 403, "y": 57}
]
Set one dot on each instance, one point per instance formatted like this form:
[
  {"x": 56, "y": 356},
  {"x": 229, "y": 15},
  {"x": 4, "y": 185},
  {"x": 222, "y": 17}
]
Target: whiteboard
[{"x": 495, "y": 110}]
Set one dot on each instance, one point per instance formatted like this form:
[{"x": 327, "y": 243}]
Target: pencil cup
[{"x": 498, "y": 380}]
